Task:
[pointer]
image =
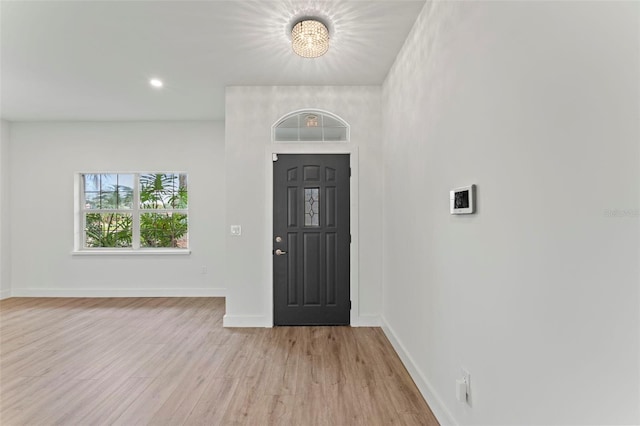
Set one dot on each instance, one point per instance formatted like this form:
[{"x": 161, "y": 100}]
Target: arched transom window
[{"x": 310, "y": 126}]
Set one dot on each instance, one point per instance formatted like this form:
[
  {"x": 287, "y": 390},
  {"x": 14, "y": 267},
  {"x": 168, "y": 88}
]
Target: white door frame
[{"x": 317, "y": 148}]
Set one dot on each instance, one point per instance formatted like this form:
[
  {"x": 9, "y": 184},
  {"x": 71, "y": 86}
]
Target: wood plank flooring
[{"x": 169, "y": 361}]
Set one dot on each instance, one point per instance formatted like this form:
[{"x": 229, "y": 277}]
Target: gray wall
[
  {"x": 537, "y": 294},
  {"x": 44, "y": 159},
  {"x": 5, "y": 229},
  {"x": 250, "y": 113}
]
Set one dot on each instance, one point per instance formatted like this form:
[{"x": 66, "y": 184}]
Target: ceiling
[{"x": 92, "y": 60}]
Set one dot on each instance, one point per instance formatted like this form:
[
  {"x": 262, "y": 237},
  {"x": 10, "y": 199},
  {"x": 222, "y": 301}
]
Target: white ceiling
[{"x": 91, "y": 60}]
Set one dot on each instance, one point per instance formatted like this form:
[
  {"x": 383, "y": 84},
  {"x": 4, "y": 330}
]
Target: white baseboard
[
  {"x": 435, "y": 403},
  {"x": 246, "y": 321},
  {"x": 5, "y": 294},
  {"x": 367, "y": 321},
  {"x": 119, "y": 292}
]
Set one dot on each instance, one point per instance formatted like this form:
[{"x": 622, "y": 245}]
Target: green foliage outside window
[
  {"x": 162, "y": 229},
  {"x": 109, "y": 230},
  {"x": 159, "y": 194},
  {"x": 163, "y": 191}
]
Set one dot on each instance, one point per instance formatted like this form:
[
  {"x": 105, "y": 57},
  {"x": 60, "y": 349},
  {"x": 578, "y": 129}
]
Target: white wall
[
  {"x": 5, "y": 229},
  {"x": 44, "y": 159},
  {"x": 537, "y": 294},
  {"x": 250, "y": 113}
]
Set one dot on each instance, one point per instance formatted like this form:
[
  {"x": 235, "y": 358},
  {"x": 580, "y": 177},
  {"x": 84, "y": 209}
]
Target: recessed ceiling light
[{"x": 156, "y": 82}]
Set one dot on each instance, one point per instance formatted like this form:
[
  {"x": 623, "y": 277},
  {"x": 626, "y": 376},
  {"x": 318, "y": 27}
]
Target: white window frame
[
  {"x": 314, "y": 111},
  {"x": 135, "y": 211}
]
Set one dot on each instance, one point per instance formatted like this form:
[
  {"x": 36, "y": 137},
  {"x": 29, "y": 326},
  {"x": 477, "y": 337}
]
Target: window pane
[
  {"x": 152, "y": 190},
  {"x": 163, "y": 191},
  {"x": 92, "y": 200},
  {"x": 291, "y": 123},
  {"x": 330, "y": 122},
  {"x": 115, "y": 192},
  {"x": 125, "y": 191},
  {"x": 286, "y": 134},
  {"x": 108, "y": 182},
  {"x": 335, "y": 134},
  {"x": 91, "y": 183},
  {"x": 180, "y": 195},
  {"x": 108, "y": 230},
  {"x": 125, "y": 180},
  {"x": 108, "y": 191},
  {"x": 125, "y": 197},
  {"x": 311, "y": 126},
  {"x": 168, "y": 230},
  {"x": 311, "y": 207},
  {"x": 108, "y": 200},
  {"x": 311, "y": 134}
]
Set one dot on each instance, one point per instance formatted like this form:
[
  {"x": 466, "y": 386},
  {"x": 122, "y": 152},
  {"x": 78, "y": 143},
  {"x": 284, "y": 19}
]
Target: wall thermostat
[{"x": 463, "y": 200}]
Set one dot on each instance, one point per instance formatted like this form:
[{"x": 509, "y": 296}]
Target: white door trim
[{"x": 316, "y": 148}]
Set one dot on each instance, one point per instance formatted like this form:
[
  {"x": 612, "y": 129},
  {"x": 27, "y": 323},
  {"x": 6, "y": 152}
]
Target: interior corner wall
[
  {"x": 5, "y": 229},
  {"x": 536, "y": 295},
  {"x": 44, "y": 159},
  {"x": 250, "y": 113}
]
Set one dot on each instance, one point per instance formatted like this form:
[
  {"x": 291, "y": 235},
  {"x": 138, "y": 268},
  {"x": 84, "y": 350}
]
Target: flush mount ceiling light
[
  {"x": 310, "y": 38},
  {"x": 312, "y": 120}
]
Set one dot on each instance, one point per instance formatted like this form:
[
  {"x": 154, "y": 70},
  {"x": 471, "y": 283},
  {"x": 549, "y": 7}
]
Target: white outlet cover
[
  {"x": 467, "y": 379},
  {"x": 461, "y": 390},
  {"x": 236, "y": 230}
]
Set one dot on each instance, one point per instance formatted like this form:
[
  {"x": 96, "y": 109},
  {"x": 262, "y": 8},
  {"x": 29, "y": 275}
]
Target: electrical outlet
[
  {"x": 204, "y": 270},
  {"x": 466, "y": 377},
  {"x": 461, "y": 390},
  {"x": 463, "y": 387}
]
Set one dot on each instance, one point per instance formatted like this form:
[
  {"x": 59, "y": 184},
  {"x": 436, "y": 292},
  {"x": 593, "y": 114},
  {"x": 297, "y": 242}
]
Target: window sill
[{"x": 127, "y": 252}]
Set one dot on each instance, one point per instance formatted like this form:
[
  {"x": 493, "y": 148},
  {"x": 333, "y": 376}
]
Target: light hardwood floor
[{"x": 169, "y": 361}]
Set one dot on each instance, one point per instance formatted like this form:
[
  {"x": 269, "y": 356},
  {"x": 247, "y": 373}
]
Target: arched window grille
[{"x": 310, "y": 126}]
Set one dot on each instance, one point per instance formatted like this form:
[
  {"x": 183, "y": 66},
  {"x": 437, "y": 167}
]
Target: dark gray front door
[{"x": 311, "y": 239}]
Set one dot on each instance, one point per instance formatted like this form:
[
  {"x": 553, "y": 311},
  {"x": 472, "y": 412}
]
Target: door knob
[{"x": 280, "y": 252}]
